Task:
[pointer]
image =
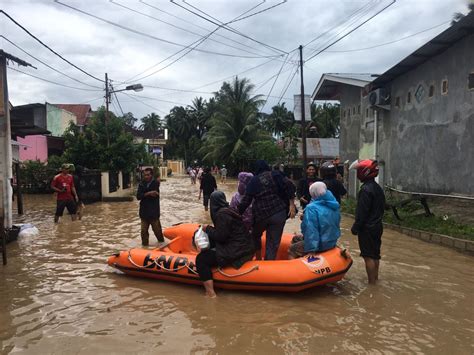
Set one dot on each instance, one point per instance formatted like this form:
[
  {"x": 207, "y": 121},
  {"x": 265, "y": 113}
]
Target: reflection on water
[{"x": 59, "y": 296}]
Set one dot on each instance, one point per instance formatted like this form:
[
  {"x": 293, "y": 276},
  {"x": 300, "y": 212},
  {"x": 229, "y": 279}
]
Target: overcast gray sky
[{"x": 99, "y": 47}]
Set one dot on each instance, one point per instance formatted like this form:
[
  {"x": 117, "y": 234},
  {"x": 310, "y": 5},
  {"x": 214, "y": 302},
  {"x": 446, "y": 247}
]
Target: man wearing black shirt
[
  {"x": 208, "y": 186},
  {"x": 329, "y": 173},
  {"x": 368, "y": 219},
  {"x": 302, "y": 191},
  {"x": 149, "y": 196}
]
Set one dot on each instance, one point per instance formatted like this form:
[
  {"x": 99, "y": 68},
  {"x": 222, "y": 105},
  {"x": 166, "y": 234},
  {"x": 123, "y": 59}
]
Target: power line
[
  {"x": 259, "y": 12},
  {"x": 390, "y": 42},
  {"x": 49, "y": 48},
  {"x": 180, "y": 28},
  {"x": 274, "y": 82},
  {"x": 47, "y": 65},
  {"x": 143, "y": 103},
  {"x": 151, "y": 36},
  {"x": 118, "y": 103},
  {"x": 52, "y": 82},
  {"x": 228, "y": 28},
  {"x": 160, "y": 100},
  {"x": 196, "y": 25},
  {"x": 348, "y": 33},
  {"x": 289, "y": 83}
]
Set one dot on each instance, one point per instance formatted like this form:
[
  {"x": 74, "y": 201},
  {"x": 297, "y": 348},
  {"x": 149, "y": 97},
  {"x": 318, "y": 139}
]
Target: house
[
  {"x": 41, "y": 146},
  {"x": 417, "y": 118},
  {"x": 83, "y": 112},
  {"x": 155, "y": 141}
]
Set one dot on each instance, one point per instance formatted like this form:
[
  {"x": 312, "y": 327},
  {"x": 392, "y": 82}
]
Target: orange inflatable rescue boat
[{"x": 175, "y": 261}]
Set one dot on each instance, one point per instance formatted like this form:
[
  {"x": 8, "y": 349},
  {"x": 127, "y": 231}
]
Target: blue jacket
[{"x": 320, "y": 225}]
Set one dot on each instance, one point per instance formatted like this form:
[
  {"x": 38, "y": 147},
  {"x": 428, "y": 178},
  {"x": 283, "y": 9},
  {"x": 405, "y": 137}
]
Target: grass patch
[{"x": 411, "y": 218}]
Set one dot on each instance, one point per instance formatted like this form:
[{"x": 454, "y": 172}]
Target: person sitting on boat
[
  {"x": 232, "y": 241},
  {"x": 244, "y": 179},
  {"x": 320, "y": 226}
]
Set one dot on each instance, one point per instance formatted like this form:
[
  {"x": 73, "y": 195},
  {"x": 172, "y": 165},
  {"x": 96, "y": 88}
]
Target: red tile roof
[{"x": 82, "y": 112}]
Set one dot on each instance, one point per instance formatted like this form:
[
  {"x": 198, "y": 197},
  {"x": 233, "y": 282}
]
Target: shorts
[
  {"x": 370, "y": 241},
  {"x": 205, "y": 200},
  {"x": 69, "y": 204}
]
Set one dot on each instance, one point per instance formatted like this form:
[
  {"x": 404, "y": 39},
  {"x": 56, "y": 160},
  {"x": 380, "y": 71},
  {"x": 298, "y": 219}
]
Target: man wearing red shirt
[{"x": 63, "y": 184}]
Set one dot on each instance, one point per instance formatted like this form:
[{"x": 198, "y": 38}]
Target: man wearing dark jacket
[
  {"x": 328, "y": 173},
  {"x": 302, "y": 191},
  {"x": 208, "y": 186},
  {"x": 149, "y": 196},
  {"x": 368, "y": 219}
]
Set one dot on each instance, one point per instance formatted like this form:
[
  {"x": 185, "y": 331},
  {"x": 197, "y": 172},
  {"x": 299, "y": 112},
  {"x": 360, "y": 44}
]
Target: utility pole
[
  {"x": 303, "y": 118},
  {"x": 107, "y": 100}
]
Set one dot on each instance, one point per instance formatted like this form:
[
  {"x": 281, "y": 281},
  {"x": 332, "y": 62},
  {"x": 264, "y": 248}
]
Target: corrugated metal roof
[
  {"x": 317, "y": 148},
  {"x": 437, "y": 45}
]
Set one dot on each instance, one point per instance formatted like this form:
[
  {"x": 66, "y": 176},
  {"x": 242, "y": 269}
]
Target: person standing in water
[
  {"x": 207, "y": 186},
  {"x": 368, "y": 219},
  {"x": 63, "y": 184},
  {"x": 223, "y": 175},
  {"x": 302, "y": 191},
  {"x": 272, "y": 197},
  {"x": 77, "y": 175},
  {"x": 149, "y": 196}
]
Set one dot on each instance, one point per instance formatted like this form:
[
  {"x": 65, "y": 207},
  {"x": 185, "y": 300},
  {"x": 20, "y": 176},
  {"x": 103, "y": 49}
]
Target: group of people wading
[{"x": 263, "y": 202}]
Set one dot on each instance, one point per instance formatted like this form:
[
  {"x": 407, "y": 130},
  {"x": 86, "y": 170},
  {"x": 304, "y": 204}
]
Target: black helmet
[{"x": 328, "y": 170}]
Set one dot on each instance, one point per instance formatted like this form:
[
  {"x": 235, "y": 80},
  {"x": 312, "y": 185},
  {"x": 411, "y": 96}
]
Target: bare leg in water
[
  {"x": 209, "y": 286},
  {"x": 377, "y": 264},
  {"x": 371, "y": 266}
]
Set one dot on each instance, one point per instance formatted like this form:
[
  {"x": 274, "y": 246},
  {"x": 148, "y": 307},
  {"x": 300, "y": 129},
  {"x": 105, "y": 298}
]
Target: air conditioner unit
[{"x": 379, "y": 97}]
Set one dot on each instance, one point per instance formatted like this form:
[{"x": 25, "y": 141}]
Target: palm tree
[
  {"x": 151, "y": 122},
  {"x": 326, "y": 120},
  {"x": 234, "y": 124},
  {"x": 280, "y": 120},
  {"x": 180, "y": 129},
  {"x": 199, "y": 115}
]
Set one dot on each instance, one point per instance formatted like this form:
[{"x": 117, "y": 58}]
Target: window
[
  {"x": 409, "y": 97},
  {"x": 470, "y": 84},
  {"x": 354, "y": 110},
  {"x": 397, "y": 102},
  {"x": 358, "y": 110},
  {"x": 348, "y": 112},
  {"x": 431, "y": 91},
  {"x": 444, "y": 87},
  {"x": 420, "y": 93},
  {"x": 367, "y": 112},
  {"x": 344, "y": 113}
]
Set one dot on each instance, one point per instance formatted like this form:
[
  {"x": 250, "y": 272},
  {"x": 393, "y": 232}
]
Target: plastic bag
[
  {"x": 28, "y": 230},
  {"x": 201, "y": 239}
]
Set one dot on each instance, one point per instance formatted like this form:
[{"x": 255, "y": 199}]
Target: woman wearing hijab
[
  {"x": 244, "y": 179},
  {"x": 233, "y": 245},
  {"x": 320, "y": 226},
  {"x": 272, "y": 197}
]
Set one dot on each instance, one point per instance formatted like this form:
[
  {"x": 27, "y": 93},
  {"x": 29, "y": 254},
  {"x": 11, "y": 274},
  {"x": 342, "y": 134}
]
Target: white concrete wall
[{"x": 121, "y": 193}]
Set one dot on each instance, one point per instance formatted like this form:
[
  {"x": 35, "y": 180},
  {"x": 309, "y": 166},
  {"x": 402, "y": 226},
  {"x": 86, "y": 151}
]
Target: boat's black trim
[{"x": 258, "y": 284}]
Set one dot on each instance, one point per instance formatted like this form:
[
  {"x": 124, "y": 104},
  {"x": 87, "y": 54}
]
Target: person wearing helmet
[
  {"x": 302, "y": 191},
  {"x": 368, "y": 219},
  {"x": 329, "y": 174}
]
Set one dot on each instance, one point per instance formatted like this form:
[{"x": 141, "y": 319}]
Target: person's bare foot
[{"x": 211, "y": 294}]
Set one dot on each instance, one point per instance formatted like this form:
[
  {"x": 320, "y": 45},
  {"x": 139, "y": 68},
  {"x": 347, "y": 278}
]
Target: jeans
[
  {"x": 156, "y": 226},
  {"x": 273, "y": 225}
]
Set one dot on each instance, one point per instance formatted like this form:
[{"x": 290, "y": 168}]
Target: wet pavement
[{"x": 57, "y": 295}]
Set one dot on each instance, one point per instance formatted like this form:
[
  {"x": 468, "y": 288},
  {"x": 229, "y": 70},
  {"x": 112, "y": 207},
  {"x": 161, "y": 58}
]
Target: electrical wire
[
  {"x": 181, "y": 28},
  {"x": 47, "y": 65},
  {"x": 50, "y": 81},
  {"x": 49, "y": 48},
  {"x": 390, "y": 42},
  {"x": 129, "y": 29},
  {"x": 273, "y": 85},
  {"x": 289, "y": 83},
  {"x": 198, "y": 26},
  {"x": 348, "y": 33},
  {"x": 224, "y": 26},
  {"x": 118, "y": 103},
  {"x": 259, "y": 12},
  {"x": 143, "y": 103}
]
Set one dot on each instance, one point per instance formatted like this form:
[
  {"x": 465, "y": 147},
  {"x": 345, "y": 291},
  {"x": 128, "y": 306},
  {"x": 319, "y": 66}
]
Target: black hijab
[
  {"x": 262, "y": 166},
  {"x": 217, "y": 201}
]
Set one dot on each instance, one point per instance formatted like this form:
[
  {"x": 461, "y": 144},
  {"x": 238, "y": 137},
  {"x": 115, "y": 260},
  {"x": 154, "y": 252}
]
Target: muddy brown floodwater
[{"x": 57, "y": 295}]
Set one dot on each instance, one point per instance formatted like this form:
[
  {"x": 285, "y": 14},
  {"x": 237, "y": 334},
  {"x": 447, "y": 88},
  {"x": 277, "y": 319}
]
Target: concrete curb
[{"x": 461, "y": 245}]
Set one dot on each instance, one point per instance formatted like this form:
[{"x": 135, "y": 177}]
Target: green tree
[
  {"x": 129, "y": 120},
  {"x": 234, "y": 124},
  {"x": 91, "y": 149},
  {"x": 180, "y": 130},
  {"x": 326, "y": 119},
  {"x": 280, "y": 120},
  {"x": 151, "y": 122}
]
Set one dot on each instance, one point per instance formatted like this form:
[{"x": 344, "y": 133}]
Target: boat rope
[
  {"x": 255, "y": 267},
  {"x": 133, "y": 263},
  {"x": 165, "y": 268}
]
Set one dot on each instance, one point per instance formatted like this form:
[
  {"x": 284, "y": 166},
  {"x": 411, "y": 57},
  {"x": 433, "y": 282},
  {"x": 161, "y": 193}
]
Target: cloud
[{"x": 98, "y": 47}]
